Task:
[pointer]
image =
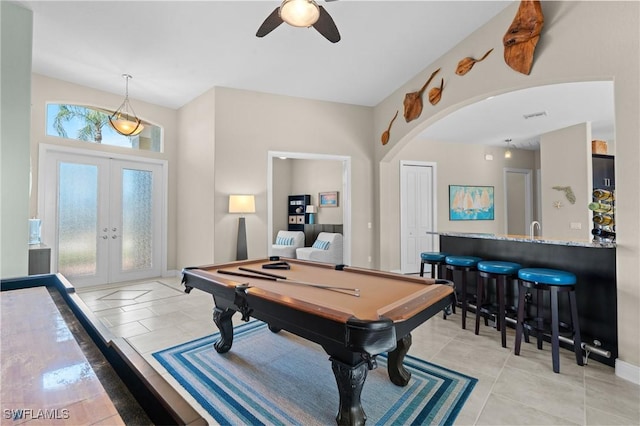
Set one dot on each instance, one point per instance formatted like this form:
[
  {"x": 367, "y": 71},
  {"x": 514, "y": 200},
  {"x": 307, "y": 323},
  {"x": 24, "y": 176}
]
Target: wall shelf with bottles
[
  {"x": 603, "y": 204},
  {"x": 603, "y": 208}
]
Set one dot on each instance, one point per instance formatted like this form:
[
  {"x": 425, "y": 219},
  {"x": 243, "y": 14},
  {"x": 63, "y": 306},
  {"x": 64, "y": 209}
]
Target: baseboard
[
  {"x": 399, "y": 271},
  {"x": 628, "y": 371},
  {"x": 171, "y": 273}
]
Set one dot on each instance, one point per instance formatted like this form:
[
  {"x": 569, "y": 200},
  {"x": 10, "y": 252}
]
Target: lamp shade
[
  {"x": 242, "y": 204},
  {"x": 126, "y": 127},
  {"x": 311, "y": 209},
  {"x": 299, "y": 13},
  {"x": 124, "y": 122}
]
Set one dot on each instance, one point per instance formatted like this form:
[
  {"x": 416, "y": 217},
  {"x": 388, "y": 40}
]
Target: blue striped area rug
[{"x": 282, "y": 379}]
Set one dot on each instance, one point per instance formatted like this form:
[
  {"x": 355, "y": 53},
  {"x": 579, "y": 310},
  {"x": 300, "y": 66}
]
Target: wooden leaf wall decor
[
  {"x": 465, "y": 65},
  {"x": 413, "y": 101},
  {"x": 522, "y": 37},
  {"x": 385, "y": 134},
  {"x": 436, "y": 93}
]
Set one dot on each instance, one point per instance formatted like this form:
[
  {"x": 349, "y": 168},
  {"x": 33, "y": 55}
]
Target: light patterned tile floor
[{"x": 511, "y": 390}]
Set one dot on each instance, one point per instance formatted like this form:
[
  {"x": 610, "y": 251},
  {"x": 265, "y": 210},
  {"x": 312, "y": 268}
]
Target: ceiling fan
[{"x": 301, "y": 13}]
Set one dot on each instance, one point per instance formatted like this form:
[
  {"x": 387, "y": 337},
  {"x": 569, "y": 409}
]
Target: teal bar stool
[
  {"x": 501, "y": 272},
  {"x": 464, "y": 264},
  {"x": 434, "y": 258},
  {"x": 554, "y": 281}
]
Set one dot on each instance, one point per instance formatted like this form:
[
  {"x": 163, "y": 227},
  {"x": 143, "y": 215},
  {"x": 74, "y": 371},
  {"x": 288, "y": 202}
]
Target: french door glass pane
[
  {"x": 137, "y": 219},
  {"x": 78, "y": 217}
]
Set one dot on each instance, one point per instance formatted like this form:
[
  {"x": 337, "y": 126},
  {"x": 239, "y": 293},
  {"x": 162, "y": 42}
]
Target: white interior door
[
  {"x": 103, "y": 218},
  {"x": 417, "y": 213}
]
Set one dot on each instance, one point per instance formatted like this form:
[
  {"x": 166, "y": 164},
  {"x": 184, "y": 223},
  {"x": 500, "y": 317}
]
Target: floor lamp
[{"x": 242, "y": 204}]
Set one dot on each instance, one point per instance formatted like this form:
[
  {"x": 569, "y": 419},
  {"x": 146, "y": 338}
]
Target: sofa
[
  {"x": 327, "y": 248},
  {"x": 286, "y": 244}
]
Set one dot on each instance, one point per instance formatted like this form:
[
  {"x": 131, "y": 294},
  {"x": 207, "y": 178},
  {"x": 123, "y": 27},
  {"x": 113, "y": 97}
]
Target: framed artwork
[
  {"x": 468, "y": 202},
  {"x": 328, "y": 199}
]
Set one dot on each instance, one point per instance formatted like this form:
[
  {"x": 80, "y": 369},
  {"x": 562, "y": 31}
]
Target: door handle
[
  {"x": 114, "y": 229},
  {"x": 114, "y": 237}
]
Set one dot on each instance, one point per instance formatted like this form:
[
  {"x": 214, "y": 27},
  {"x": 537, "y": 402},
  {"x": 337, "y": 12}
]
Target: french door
[
  {"x": 417, "y": 213},
  {"x": 103, "y": 217}
]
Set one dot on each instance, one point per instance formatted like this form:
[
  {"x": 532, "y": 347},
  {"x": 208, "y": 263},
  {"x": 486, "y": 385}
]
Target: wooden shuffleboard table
[{"x": 355, "y": 314}]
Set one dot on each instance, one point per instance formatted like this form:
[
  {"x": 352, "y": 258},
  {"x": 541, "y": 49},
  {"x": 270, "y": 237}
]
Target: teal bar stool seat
[
  {"x": 464, "y": 264},
  {"x": 434, "y": 258},
  {"x": 555, "y": 281},
  {"x": 500, "y": 272}
]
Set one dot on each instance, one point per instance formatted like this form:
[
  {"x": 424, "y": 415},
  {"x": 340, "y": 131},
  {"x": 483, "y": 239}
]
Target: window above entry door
[{"x": 91, "y": 125}]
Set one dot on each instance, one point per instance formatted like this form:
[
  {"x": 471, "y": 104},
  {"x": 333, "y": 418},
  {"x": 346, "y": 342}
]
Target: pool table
[{"x": 353, "y": 313}]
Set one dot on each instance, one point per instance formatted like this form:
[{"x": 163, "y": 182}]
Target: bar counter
[{"x": 594, "y": 265}]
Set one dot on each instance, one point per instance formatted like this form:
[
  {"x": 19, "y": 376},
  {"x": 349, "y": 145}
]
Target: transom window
[{"x": 92, "y": 125}]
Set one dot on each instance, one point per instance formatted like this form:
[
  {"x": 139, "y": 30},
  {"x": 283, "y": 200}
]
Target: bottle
[
  {"x": 603, "y": 219},
  {"x": 603, "y": 195},
  {"x": 600, "y": 207},
  {"x": 603, "y": 233}
]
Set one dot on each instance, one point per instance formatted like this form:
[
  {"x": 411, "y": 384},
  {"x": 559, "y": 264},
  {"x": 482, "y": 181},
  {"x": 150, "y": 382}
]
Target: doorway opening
[
  {"x": 518, "y": 201},
  {"x": 345, "y": 195}
]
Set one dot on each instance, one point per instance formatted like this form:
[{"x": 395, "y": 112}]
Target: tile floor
[{"x": 511, "y": 390}]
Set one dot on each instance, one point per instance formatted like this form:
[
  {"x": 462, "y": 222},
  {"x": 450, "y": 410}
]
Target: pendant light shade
[
  {"x": 124, "y": 120},
  {"x": 299, "y": 13},
  {"x": 507, "y": 153}
]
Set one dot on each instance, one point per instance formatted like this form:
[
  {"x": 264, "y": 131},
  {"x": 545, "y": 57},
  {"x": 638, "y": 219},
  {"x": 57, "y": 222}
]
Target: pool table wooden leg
[
  {"x": 222, "y": 319},
  {"x": 350, "y": 380},
  {"x": 397, "y": 373}
]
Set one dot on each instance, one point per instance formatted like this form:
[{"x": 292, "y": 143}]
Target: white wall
[
  {"x": 565, "y": 158},
  {"x": 458, "y": 164},
  {"x": 315, "y": 176},
  {"x": 16, "y": 33},
  {"x": 248, "y": 125},
  {"x": 194, "y": 169},
  {"x": 282, "y": 181},
  {"x": 580, "y": 41}
]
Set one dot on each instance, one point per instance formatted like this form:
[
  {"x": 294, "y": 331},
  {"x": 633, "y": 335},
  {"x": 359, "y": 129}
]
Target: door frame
[
  {"x": 434, "y": 204},
  {"x": 345, "y": 197},
  {"x": 49, "y": 233}
]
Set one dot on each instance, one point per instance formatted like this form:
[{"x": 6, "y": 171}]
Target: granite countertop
[{"x": 527, "y": 239}]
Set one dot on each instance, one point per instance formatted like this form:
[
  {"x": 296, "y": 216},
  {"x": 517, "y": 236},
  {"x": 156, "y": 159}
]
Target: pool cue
[
  {"x": 346, "y": 290},
  {"x": 266, "y": 274}
]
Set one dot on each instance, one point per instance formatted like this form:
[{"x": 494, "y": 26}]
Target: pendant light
[
  {"x": 124, "y": 122},
  {"x": 507, "y": 153}
]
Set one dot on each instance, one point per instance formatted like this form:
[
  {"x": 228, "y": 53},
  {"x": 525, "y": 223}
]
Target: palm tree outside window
[{"x": 92, "y": 125}]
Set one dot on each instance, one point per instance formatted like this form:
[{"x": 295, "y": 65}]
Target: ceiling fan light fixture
[
  {"x": 123, "y": 122},
  {"x": 299, "y": 13}
]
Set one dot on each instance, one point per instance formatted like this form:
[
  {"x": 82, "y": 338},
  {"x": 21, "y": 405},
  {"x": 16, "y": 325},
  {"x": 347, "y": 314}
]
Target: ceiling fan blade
[
  {"x": 326, "y": 26},
  {"x": 270, "y": 24}
]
